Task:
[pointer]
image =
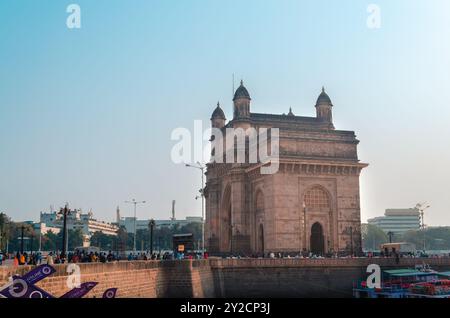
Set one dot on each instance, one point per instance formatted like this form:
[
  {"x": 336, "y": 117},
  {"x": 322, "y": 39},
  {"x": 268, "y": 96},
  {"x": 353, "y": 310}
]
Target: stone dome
[
  {"x": 241, "y": 92},
  {"x": 218, "y": 112},
  {"x": 323, "y": 98}
]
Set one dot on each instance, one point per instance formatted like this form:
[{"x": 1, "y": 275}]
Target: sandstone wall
[{"x": 223, "y": 277}]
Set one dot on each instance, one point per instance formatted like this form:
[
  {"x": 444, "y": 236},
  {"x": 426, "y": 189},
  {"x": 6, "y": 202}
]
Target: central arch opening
[{"x": 317, "y": 239}]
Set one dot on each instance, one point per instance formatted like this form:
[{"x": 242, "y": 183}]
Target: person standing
[
  {"x": 22, "y": 259},
  {"x": 50, "y": 259}
]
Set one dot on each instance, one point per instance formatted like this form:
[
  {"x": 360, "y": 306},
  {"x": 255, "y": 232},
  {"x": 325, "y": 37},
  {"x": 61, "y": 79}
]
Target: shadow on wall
[
  {"x": 174, "y": 280},
  {"x": 185, "y": 279}
]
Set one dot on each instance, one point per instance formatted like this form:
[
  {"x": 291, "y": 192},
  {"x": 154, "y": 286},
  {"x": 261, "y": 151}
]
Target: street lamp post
[
  {"x": 151, "y": 225},
  {"x": 390, "y": 234},
  {"x": 202, "y": 194},
  {"x": 64, "y": 212},
  {"x": 22, "y": 228},
  {"x": 134, "y": 202},
  {"x": 422, "y": 207},
  {"x": 31, "y": 243}
]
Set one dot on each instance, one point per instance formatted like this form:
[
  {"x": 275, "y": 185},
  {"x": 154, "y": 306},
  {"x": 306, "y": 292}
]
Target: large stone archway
[
  {"x": 318, "y": 213},
  {"x": 317, "y": 239}
]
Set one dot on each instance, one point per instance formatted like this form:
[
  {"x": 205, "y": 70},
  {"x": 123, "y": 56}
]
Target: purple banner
[
  {"x": 37, "y": 274},
  {"x": 110, "y": 293},
  {"x": 80, "y": 291},
  {"x": 19, "y": 288}
]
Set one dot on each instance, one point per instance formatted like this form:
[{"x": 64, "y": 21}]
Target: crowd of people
[{"x": 82, "y": 256}]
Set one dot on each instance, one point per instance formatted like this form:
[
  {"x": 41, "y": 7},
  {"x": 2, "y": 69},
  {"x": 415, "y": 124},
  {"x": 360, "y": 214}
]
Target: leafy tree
[
  {"x": 50, "y": 242},
  {"x": 103, "y": 241},
  {"x": 75, "y": 238},
  {"x": 4, "y": 230},
  {"x": 53, "y": 242},
  {"x": 372, "y": 236},
  {"x": 15, "y": 235},
  {"x": 436, "y": 238},
  {"x": 122, "y": 238},
  {"x": 162, "y": 236}
]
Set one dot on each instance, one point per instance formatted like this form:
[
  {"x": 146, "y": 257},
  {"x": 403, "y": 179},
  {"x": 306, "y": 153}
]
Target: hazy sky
[{"x": 86, "y": 114}]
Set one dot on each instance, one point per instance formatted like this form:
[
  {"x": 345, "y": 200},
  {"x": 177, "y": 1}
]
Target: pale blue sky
[{"x": 86, "y": 114}]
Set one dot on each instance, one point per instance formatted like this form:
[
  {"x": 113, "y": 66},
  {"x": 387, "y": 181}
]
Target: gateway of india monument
[{"x": 311, "y": 204}]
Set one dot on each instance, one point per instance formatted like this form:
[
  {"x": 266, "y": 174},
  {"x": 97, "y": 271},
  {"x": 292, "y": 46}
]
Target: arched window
[{"x": 317, "y": 198}]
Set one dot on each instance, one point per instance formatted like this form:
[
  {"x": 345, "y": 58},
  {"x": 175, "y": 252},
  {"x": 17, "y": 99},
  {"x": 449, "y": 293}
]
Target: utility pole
[
  {"x": 202, "y": 194},
  {"x": 134, "y": 202},
  {"x": 422, "y": 207}
]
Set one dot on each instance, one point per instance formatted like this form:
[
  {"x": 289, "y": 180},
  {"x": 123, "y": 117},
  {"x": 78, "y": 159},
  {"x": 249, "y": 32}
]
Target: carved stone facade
[{"x": 311, "y": 204}]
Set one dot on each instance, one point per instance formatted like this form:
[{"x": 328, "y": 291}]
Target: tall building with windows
[
  {"x": 398, "y": 221},
  {"x": 128, "y": 223},
  {"x": 76, "y": 219},
  {"x": 311, "y": 203}
]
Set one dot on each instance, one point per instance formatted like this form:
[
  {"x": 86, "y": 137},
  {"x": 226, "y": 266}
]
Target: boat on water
[{"x": 407, "y": 283}]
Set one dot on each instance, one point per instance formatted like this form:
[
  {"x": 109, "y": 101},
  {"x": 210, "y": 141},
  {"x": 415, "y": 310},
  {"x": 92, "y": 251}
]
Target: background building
[
  {"x": 398, "y": 221},
  {"x": 42, "y": 228},
  {"x": 128, "y": 221},
  {"x": 76, "y": 219}
]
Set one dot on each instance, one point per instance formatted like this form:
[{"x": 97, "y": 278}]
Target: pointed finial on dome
[
  {"x": 323, "y": 98},
  {"x": 241, "y": 92},
  {"x": 218, "y": 112},
  {"x": 290, "y": 112}
]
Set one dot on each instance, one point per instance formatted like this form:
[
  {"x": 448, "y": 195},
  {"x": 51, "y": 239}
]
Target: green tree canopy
[
  {"x": 373, "y": 237},
  {"x": 436, "y": 238}
]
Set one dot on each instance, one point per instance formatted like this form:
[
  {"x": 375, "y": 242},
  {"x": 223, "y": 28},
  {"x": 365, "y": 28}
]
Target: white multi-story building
[
  {"x": 78, "y": 220},
  {"x": 42, "y": 228},
  {"x": 398, "y": 221},
  {"x": 128, "y": 222}
]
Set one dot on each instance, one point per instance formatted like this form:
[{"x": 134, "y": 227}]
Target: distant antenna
[
  {"x": 51, "y": 208},
  {"x": 173, "y": 210},
  {"x": 118, "y": 215}
]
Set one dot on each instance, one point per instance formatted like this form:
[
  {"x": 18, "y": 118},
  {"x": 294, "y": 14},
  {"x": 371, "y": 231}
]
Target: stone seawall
[{"x": 223, "y": 277}]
